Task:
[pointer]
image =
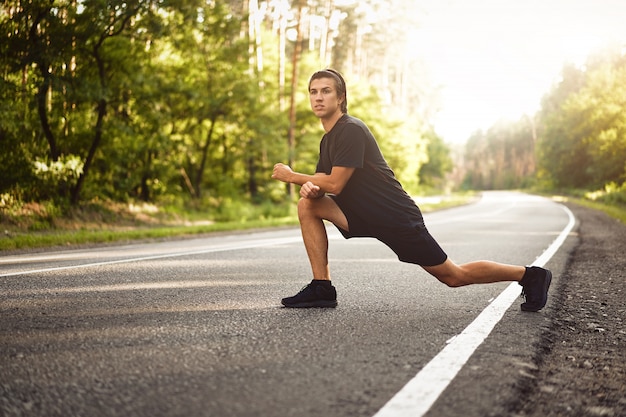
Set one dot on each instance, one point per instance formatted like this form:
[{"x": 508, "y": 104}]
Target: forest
[
  {"x": 189, "y": 103},
  {"x": 576, "y": 141}
]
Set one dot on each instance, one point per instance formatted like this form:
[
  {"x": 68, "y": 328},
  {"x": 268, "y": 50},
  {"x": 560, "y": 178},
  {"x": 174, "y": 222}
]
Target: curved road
[{"x": 194, "y": 327}]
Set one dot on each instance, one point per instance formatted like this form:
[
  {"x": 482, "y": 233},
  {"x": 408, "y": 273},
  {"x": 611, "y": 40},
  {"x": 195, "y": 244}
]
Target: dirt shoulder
[{"x": 582, "y": 360}]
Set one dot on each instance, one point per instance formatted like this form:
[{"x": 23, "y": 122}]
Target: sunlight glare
[{"x": 495, "y": 59}]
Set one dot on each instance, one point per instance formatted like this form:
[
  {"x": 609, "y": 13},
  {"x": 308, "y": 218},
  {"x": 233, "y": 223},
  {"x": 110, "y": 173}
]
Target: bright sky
[{"x": 497, "y": 58}]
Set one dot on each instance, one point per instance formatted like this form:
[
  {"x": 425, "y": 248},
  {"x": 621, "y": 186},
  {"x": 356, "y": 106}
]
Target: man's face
[{"x": 323, "y": 96}]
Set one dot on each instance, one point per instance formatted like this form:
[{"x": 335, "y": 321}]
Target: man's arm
[{"x": 333, "y": 183}]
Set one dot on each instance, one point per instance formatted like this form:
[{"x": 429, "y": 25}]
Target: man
[{"x": 354, "y": 188}]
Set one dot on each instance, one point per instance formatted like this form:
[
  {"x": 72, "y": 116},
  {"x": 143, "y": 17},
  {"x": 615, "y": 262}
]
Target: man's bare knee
[
  {"x": 450, "y": 280},
  {"x": 306, "y": 208},
  {"x": 453, "y": 282},
  {"x": 452, "y": 275}
]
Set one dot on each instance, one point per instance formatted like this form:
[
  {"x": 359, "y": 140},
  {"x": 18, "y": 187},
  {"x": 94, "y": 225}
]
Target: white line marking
[
  {"x": 235, "y": 246},
  {"x": 132, "y": 287},
  {"x": 421, "y": 392}
]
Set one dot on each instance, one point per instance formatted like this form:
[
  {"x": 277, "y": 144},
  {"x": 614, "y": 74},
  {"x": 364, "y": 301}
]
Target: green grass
[
  {"x": 616, "y": 211},
  {"x": 37, "y": 228},
  {"x": 39, "y": 225},
  {"x": 55, "y": 238},
  {"x": 611, "y": 199}
]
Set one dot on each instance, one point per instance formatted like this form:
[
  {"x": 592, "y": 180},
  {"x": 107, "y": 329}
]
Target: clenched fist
[{"x": 282, "y": 172}]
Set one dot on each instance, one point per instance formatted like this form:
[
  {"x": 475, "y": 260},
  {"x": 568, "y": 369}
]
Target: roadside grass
[
  {"x": 67, "y": 238},
  {"x": 44, "y": 226},
  {"x": 442, "y": 202},
  {"x": 41, "y": 227},
  {"x": 34, "y": 226},
  {"x": 610, "y": 199},
  {"x": 618, "y": 212}
]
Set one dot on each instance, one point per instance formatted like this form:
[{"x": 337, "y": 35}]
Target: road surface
[{"x": 195, "y": 328}]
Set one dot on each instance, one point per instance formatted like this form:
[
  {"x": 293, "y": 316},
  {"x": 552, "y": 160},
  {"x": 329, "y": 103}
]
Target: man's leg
[
  {"x": 312, "y": 213},
  {"x": 479, "y": 272},
  {"x": 534, "y": 280}
]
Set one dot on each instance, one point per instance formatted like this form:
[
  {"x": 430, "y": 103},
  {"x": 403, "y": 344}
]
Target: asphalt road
[{"x": 195, "y": 328}]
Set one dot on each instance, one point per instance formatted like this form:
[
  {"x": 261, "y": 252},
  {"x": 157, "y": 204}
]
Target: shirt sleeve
[{"x": 349, "y": 147}]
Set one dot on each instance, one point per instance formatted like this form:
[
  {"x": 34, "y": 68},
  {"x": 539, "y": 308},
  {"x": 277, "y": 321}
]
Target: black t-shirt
[{"x": 373, "y": 193}]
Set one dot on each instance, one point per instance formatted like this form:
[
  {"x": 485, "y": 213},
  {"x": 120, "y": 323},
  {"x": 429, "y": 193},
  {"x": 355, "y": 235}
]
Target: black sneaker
[
  {"x": 313, "y": 295},
  {"x": 535, "y": 285}
]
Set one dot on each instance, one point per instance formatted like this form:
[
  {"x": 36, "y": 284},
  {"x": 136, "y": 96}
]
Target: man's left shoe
[
  {"x": 315, "y": 294},
  {"x": 535, "y": 283}
]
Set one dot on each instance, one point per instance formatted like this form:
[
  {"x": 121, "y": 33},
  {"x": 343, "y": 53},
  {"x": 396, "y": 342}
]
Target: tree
[
  {"x": 217, "y": 84},
  {"x": 600, "y": 109},
  {"x": 295, "y": 65},
  {"x": 560, "y": 149},
  {"x": 584, "y": 129},
  {"x": 36, "y": 58},
  {"x": 145, "y": 99},
  {"x": 502, "y": 157},
  {"x": 433, "y": 172}
]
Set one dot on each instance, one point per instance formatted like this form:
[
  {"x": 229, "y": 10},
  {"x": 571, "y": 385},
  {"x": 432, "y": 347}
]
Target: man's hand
[
  {"x": 282, "y": 172},
  {"x": 310, "y": 190}
]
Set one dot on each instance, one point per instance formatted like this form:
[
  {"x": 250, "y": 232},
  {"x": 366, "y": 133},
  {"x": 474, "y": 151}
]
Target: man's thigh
[{"x": 325, "y": 208}]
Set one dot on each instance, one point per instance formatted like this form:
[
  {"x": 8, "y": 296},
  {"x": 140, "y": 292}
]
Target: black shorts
[{"x": 412, "y": 244}]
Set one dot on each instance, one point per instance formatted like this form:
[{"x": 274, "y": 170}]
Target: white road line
[
  {"x": 421, "y": 392},
  {"x": 131, "y": 287},
  {"x": 235, "y": 246}
]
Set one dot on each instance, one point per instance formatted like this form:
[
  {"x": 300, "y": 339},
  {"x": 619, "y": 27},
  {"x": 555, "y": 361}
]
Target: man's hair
[{"x": 340, "y": 85}]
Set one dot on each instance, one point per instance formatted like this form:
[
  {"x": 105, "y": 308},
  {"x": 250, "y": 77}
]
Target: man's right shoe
[
  {"x": 535, "y": 283},
  {"x": 313, "y": 295}
]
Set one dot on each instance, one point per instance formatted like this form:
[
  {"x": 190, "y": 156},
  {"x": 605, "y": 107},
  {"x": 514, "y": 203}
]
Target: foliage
[
  {"x": 502, "y": 157},
  {"x": 611, "y": 193},
  {"x": 186, "y": 104},
  {"x": 57, "y": 176},
  {"x": 432, "y": 173},
  {"x": 180, "y": 102},
  {"x": 577, "y": 140},
  {"x": 584, "y": 143}
]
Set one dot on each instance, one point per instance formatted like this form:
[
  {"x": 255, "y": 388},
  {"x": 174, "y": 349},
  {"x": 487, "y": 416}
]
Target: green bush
[{"x": 612, "y": 193}]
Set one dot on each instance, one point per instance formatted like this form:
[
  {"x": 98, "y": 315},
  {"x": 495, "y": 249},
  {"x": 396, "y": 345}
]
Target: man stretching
[{"x": 354, "y": 188}]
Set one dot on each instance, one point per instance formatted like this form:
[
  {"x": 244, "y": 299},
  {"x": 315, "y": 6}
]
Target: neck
[{"x": 330, "y": 121}]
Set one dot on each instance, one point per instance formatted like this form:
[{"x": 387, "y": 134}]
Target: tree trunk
[
  {"x": 205, "y": 156},
  {"x": 144, "y": 190},
  {"x": 292, "y": 104},
  {"x": 282, "y": 40},
  {"x": 95, "y": 144},
  {"x": 253, "y": 187},
  {"x": 42, "y": 92},
  {"x": 102, "y": 101},
  {"x": 42, "y": 101}
]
